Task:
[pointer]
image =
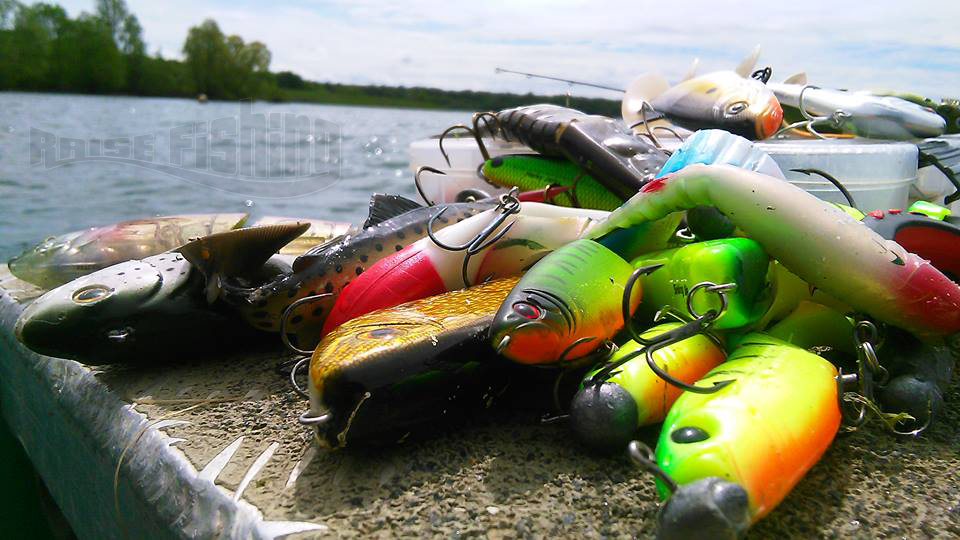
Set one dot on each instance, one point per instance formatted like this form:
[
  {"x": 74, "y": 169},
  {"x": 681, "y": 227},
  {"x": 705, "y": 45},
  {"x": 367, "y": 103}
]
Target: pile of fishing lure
[{"x": 695, "y": 288}]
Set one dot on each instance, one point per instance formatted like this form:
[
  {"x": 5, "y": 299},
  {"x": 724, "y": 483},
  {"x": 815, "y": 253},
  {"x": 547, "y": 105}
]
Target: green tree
[
  {"x": 206, "y": 57},
  {"x": 35, "y": 28},
  {"x": 86, "y": 59},
  {"x": 225, "y": 67}
]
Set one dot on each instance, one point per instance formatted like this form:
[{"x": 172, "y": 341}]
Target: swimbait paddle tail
[
  {"x": 736, "y": 453},
  {"x": 383, "y": 374},
  {"x": 606, "y": 413},
  {"x": 815, "y": 240}
]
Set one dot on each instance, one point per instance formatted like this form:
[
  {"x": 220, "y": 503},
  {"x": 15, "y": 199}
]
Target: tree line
[{"x": 42, "y": 49}]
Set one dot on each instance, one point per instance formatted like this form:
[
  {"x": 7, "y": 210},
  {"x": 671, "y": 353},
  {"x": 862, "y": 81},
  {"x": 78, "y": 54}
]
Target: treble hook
[
  {"x": 699, "y": 325},
  {"x": 836, "y": 120},
  {"x": 509, "y": 204},
  {"x": 476, "y": 137},
  {"x": 836, "y": 183},
  {"x": 286, "y": 315},
  {"x": 475, "y": 120},
  {"x": 868, "y": 366},
  {"x": 643, "y": 120},
  {"x": 644, "y": 457},
  {"x": 416, "y": 181}
]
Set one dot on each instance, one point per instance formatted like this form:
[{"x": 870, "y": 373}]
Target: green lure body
[
  {"x": 535, "y": 173},
  {"x": 761, "y": 433},
  {"x": 731, "y": 260},
  {"x": 607, "y": 414},
  {"x": 564, "y": 307}
]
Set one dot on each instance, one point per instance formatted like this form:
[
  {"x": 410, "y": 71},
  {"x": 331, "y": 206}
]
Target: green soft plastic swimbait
[
  {"x": 535, "y": 173},
  {"x": 606, "y": 414},
  {"x": 736, "y": 453},
  {"x": 564, "y": 307},
  {"x": 732, "y": 260}
]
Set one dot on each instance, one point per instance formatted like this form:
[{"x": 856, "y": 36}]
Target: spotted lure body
[
  {"x": 425, "y": 269},
  {"x": 817, "y": 241}
]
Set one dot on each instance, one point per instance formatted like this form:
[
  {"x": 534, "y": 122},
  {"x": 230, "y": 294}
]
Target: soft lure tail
[
  {"x": 606, "y": 413},
  {"x": 815, "y": 240},
  {"x": 424, "y": 268},
  {"x": 736, "y": 453}
]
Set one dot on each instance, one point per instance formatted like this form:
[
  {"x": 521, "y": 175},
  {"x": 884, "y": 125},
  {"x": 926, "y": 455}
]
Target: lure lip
[{"x": 769, "y": 120}]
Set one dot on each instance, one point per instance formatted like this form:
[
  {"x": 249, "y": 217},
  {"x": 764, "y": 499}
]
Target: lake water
[{"x": 153, "y": 167}]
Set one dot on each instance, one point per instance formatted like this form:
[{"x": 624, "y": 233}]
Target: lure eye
[
  {"x": 736, "y": 108},
  {"x": 91, "y": 294},
  {"x": 527, "y": 310},
  {"x": 686, "y": 435}
]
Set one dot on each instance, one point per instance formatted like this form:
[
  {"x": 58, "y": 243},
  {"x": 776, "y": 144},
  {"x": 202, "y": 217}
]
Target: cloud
[{"x": 890, "y": 44}]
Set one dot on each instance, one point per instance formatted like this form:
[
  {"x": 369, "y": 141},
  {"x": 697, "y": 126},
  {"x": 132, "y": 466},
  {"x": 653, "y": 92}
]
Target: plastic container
[
  {"x": 877, "y": 174},
  {"x": 461, "y": 174}
]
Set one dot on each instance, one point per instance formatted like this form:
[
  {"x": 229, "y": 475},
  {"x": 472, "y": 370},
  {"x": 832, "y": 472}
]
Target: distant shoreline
[{"x": 358, "y": 96}]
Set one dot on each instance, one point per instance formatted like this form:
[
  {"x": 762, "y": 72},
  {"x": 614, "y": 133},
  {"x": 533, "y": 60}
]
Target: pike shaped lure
[{"x": 384, "y": 374}]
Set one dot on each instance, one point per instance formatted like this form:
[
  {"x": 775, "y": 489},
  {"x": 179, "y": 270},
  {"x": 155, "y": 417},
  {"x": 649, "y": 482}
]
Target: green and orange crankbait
[
  {"x": 731, "y": 260},
  {"x": 536, "y": 173},
  {"x": 734, "y": 454},
  {"x": 565, "y": 307},
  {"x": 605, "y": 413}
]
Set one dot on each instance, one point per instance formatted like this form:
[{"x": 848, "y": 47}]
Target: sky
[{"x": 895, "y": 45}]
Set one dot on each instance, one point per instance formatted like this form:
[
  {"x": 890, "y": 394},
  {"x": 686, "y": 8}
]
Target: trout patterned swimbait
[
  {"x": 736, "y": 453},
  {"x": 425, "y": 268},
  {"x": 383, "y": 374},
  {"x": 815, "y": 240},
  {"x": 329, "y": 267}
]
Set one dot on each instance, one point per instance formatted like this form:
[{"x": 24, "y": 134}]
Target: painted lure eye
[
  {"x": 736, "y": 108},
  {"x": 91, "y": 294},
  {"x": 527, "y": 310}
]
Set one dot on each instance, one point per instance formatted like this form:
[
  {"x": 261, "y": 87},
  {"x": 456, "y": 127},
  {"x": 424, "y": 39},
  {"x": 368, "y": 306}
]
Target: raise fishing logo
[{"x": 273, "y": 155}]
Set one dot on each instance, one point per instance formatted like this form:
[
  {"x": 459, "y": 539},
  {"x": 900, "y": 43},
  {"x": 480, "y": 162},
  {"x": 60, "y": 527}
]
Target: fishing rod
[{"x": 568, "y": 81}]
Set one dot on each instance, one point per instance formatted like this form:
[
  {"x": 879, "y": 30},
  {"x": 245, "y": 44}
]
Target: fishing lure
[
  {"x": 138, "y": 311},
  {"x": 605, "y": 149},
  {"x": 61, "y": 259},
  {"x": 731, "y": 456},
  {"x": 861, "y": 114},
  {"x": 326, "y": 269},
  {"x": 606, "y": 413},
  {"x": 501, "y": 242},
  {"x": 726, "y": 100},
  {"x": 382, "y": 375},
  {"x": 565, "y": 307},
  {"x": 533, "y": 173},
  {"x": 817, "y": 241},
  {"x": 732, "y": 260},
  {"x": 931, "y": 239}
]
